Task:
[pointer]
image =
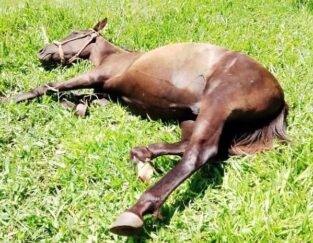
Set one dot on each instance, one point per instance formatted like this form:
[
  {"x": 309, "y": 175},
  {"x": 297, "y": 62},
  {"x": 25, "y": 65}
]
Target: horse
[{"x": 224, "y": 101}]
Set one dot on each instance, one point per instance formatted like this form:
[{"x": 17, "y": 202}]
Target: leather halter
[{"x": 93, "y": 35}]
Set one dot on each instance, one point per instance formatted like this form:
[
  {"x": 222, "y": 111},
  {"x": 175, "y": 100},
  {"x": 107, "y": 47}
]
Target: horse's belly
[
  {"x": 154, "y": 111},
  {"x": 154, "y": 91},
  {"x": 157, "y": 98},
  {"x": 170, "y": 81}
]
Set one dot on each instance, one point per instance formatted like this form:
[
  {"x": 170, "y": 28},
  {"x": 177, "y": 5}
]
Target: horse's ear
[{"x": 100, "y": 25}]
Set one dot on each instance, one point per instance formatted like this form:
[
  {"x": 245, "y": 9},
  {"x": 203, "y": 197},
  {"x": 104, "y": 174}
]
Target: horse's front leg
[
  {"x": 202, "y": 146},
  {"x": 87, "y": 80}
]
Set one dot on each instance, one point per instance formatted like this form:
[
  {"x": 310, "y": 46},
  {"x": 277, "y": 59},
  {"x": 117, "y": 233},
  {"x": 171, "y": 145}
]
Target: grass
[{"x": 63, "y": 178}]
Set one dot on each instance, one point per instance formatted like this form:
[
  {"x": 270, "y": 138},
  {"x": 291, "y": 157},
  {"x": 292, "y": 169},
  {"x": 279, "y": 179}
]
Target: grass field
[{"x": 64, "y": 178}]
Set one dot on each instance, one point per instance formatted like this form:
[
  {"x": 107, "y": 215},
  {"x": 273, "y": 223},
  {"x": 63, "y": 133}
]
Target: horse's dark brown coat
[{"x": 220, "y": 97}]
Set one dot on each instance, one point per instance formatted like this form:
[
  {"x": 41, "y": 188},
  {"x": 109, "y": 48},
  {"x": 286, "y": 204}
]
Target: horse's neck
[
  {"x": 101, "y": 50},
  {"x": 110, "y": 59}
]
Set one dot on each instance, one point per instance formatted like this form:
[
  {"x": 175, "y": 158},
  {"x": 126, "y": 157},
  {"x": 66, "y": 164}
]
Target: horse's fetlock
[{"x": 142, "y": 154}]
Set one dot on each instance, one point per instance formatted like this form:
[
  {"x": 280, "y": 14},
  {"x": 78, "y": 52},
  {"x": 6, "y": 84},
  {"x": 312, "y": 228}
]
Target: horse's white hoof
[
  {"x": 81, "y": 110},
  {"x": 66, "y": 104},
  {"x": 101, "y": 102},
  {"x": 145, "y": 171}
]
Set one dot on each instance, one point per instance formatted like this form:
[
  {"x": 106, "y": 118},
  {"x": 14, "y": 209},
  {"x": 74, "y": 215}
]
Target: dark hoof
[{"x": 127, "y": 224}]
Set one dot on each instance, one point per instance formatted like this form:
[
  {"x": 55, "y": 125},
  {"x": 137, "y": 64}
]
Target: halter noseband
[{"x": 93, "y": 35}]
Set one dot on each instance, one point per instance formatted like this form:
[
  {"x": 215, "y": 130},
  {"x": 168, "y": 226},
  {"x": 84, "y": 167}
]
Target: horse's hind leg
[
  {"x": 203, "y": 145},
  {"x": 143, "y": 154},
  {"x": 146, "y": 153}
]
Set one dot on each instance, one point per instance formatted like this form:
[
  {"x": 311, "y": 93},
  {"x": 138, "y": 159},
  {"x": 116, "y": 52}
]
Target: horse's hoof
[
  {"x": 145, "y": 171},
  {"x": 101, "y": 102},
  {"x": 81, "y": 110},
  {"x": 66, "y": 104},
  {"x": 127, "y": 224}
]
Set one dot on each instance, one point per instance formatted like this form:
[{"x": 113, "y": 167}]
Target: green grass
[{"x": 63, "y": 178}]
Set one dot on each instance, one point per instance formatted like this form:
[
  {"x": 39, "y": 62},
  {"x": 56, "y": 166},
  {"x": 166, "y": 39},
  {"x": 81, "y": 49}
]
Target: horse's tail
[{"x": 261, "y": 138}]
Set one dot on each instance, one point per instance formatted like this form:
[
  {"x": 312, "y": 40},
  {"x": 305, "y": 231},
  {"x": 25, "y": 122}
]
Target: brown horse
[{"x": 222, "y": 99}]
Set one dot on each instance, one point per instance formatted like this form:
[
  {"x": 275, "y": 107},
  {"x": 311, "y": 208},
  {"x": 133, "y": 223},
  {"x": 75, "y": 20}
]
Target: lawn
[{"x": 64, "y": 178}]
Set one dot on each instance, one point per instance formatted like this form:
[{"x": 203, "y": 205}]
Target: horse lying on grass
[{"x": 224, "y": 101}]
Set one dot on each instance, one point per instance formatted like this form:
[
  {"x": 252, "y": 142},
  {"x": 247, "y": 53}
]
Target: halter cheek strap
[
  {"x": 61, "y": 52},
  {"x": 93, "y": 35}
]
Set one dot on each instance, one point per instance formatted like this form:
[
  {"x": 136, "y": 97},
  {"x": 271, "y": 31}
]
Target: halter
[{"x": 93, "y": 35}]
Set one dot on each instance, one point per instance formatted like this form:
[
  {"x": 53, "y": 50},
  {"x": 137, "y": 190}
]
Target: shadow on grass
[
  {"x": 210, "y": 175},
  {"x": 304, "y": 4},
  {"x": 54, "y": 65},
  {"x": 76, "y": 97}
]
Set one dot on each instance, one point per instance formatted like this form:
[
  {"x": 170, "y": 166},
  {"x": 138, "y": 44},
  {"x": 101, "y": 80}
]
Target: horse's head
[{"x": 74, "y": 46}]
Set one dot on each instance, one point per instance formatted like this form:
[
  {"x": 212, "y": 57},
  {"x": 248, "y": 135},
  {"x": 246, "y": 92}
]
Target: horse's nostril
[{"x": 40, "y": 51}]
